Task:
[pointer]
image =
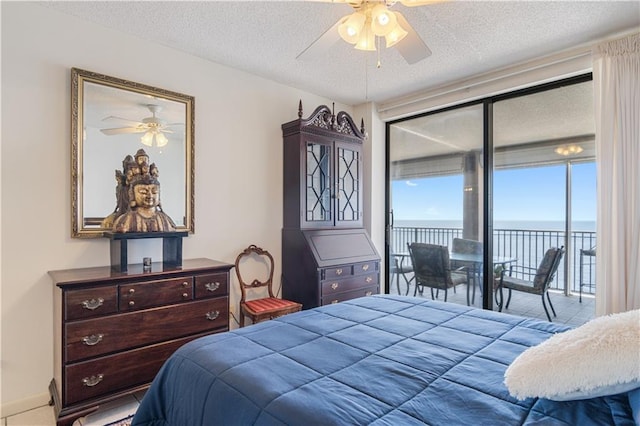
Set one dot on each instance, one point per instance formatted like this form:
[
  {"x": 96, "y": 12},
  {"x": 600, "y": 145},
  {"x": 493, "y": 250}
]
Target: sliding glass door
[
  {"x": 539, "y": 194},
  {"x": 543, "y": 146}
]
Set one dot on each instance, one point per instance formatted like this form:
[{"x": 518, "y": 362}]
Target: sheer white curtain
[{"x": 616, "y": 82}]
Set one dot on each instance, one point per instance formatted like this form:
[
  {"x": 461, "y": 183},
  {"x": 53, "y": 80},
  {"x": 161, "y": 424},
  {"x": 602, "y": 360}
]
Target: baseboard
[{"x": 16, "y": 407}]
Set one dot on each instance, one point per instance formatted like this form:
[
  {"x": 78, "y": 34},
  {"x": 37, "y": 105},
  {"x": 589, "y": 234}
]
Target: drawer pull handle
[
  {"x": 93, "y": 380},
  {"x": 369, "y": 293},
  {"x": 185, "y": 295},
  {"x": 185, "y": 284},
  {"x": 131, "y": 303},
  {"x": 334, "y": 286},
  {"x": 365, "y": 267},
  {"x": 132, "y": 290},
  {"x": 339, "y": 271},
  {"x": 212, "y": 315},
  {"x": 212, "y": 286},
  {"x": 92, "y": 304},
  {"x": 368, "y": 279},
  {"x": 92, "y": 340}
]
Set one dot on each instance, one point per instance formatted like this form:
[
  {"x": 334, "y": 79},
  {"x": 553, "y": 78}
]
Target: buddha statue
[
  {"x": 122, "y": 195},
  {"x": 138, "y": 194}
]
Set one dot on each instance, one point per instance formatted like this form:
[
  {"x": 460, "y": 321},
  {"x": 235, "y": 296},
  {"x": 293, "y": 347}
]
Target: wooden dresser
[
  {"x": 114, "y": 330},
  {"x": 327, "y": 255}
]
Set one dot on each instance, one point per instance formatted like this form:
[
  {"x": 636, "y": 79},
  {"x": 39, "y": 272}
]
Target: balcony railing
[{"x": 528, "y": 246}]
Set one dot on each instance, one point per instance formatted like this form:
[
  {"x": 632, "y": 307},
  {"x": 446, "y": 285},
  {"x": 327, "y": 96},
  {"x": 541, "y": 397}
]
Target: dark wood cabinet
[
  {"x": 114, "y": 330},
  {"x": 322, "y": 171},
  {"x": 323, "y": 211}
]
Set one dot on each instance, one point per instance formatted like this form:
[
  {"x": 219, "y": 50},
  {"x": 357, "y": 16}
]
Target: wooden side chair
[{"x": 263, "y": 308}]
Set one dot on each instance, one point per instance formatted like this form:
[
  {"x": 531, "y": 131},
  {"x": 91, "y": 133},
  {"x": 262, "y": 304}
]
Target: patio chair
[
  {"x": 432, "y": 268},
  {"x": 400, "y": 266},
  {"x": 542, "y": 278}
]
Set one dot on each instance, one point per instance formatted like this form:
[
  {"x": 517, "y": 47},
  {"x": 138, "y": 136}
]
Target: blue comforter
[{"x": 379, "y": 360}]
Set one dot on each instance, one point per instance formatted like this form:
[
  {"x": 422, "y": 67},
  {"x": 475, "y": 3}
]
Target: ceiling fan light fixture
[
  {"x": 567, "y": 150},
  {"x": 383, "y": 21},
  {"x": 367, "y": 40},
  {"x": 161, "y": 140},
  {"x": 351, "y": 28},
  {"x": 148, "y": 138},
  {"x": 395, "y": 36}
]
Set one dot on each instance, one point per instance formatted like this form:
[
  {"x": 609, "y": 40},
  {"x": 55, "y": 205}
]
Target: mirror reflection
[{"x": 113, "y": 118}]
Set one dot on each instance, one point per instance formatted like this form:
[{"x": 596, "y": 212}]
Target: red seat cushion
[{"x": 269, "y": 304}]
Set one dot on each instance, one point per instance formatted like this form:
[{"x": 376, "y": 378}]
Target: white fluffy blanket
[{"x": 598, "y": 358}]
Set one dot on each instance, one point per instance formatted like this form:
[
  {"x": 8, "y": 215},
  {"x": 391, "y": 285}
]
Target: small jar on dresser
[{"x": 114, "y": 330}]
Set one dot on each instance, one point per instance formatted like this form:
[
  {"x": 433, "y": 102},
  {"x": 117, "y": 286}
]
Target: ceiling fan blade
[
  {"x": 412, "y": 48},
  {"x": 322, "y": 43},
  {"x": 126, "y": 120},
  {"x": 122, "y": 130},
  {"x": 412, "y": 3},
  {"x": 337, "y": 1}
]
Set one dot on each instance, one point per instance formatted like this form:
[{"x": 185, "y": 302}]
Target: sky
[{"x": 527, "y": 194}]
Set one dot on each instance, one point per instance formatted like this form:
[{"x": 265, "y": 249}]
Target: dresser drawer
[
  {"x": 337, "y": 272},
  {"x": 90, "y": 302},
  {"x": 155, "y": 293},
  {"x": 99, "y": 336},
  {"x": 212, "y": 285},
  {"x": 365, "y": 268},
  {"x": 338, "y": 286},
  {"x": 101, "y": 376},
  {"x": 347, "y": 295}
]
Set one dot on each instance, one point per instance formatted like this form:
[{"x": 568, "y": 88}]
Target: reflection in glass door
[{"x": 435, "y": 200}]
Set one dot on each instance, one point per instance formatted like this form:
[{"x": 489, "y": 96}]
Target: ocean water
[{"x": 542, "y": 225}]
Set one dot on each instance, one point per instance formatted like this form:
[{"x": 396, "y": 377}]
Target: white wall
[
  {"x": 374, "y": 178},
  {"x": 238, "y": 184}
]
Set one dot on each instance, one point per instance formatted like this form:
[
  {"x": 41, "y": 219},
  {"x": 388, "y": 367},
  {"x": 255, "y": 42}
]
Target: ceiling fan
[
  {"x": 152, "y": 127},
  {"x": 372, "y": 21}
]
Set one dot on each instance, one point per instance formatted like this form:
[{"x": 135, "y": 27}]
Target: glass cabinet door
[
  {"x": 318, "y": 185},
  {"x": 348, "y": 186}
]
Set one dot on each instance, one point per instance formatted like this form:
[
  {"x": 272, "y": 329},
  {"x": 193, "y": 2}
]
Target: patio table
[{"x": 474, "y": 261}]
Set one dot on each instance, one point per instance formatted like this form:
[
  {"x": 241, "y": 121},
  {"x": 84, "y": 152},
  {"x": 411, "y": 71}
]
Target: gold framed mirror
[{"x": 112, "y": 118}]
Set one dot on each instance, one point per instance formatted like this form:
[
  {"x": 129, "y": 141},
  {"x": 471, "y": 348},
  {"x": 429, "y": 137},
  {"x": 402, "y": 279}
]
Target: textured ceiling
[{"x": 264, "y": 38}]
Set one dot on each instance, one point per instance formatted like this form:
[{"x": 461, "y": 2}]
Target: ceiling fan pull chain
[
  {"x": 378, "y": 50},
  {"x": 366, "y": 77}
]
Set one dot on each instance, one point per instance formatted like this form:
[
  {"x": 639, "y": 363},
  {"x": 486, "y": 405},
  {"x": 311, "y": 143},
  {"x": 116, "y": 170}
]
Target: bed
[{"x": 378, "y": 360}]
